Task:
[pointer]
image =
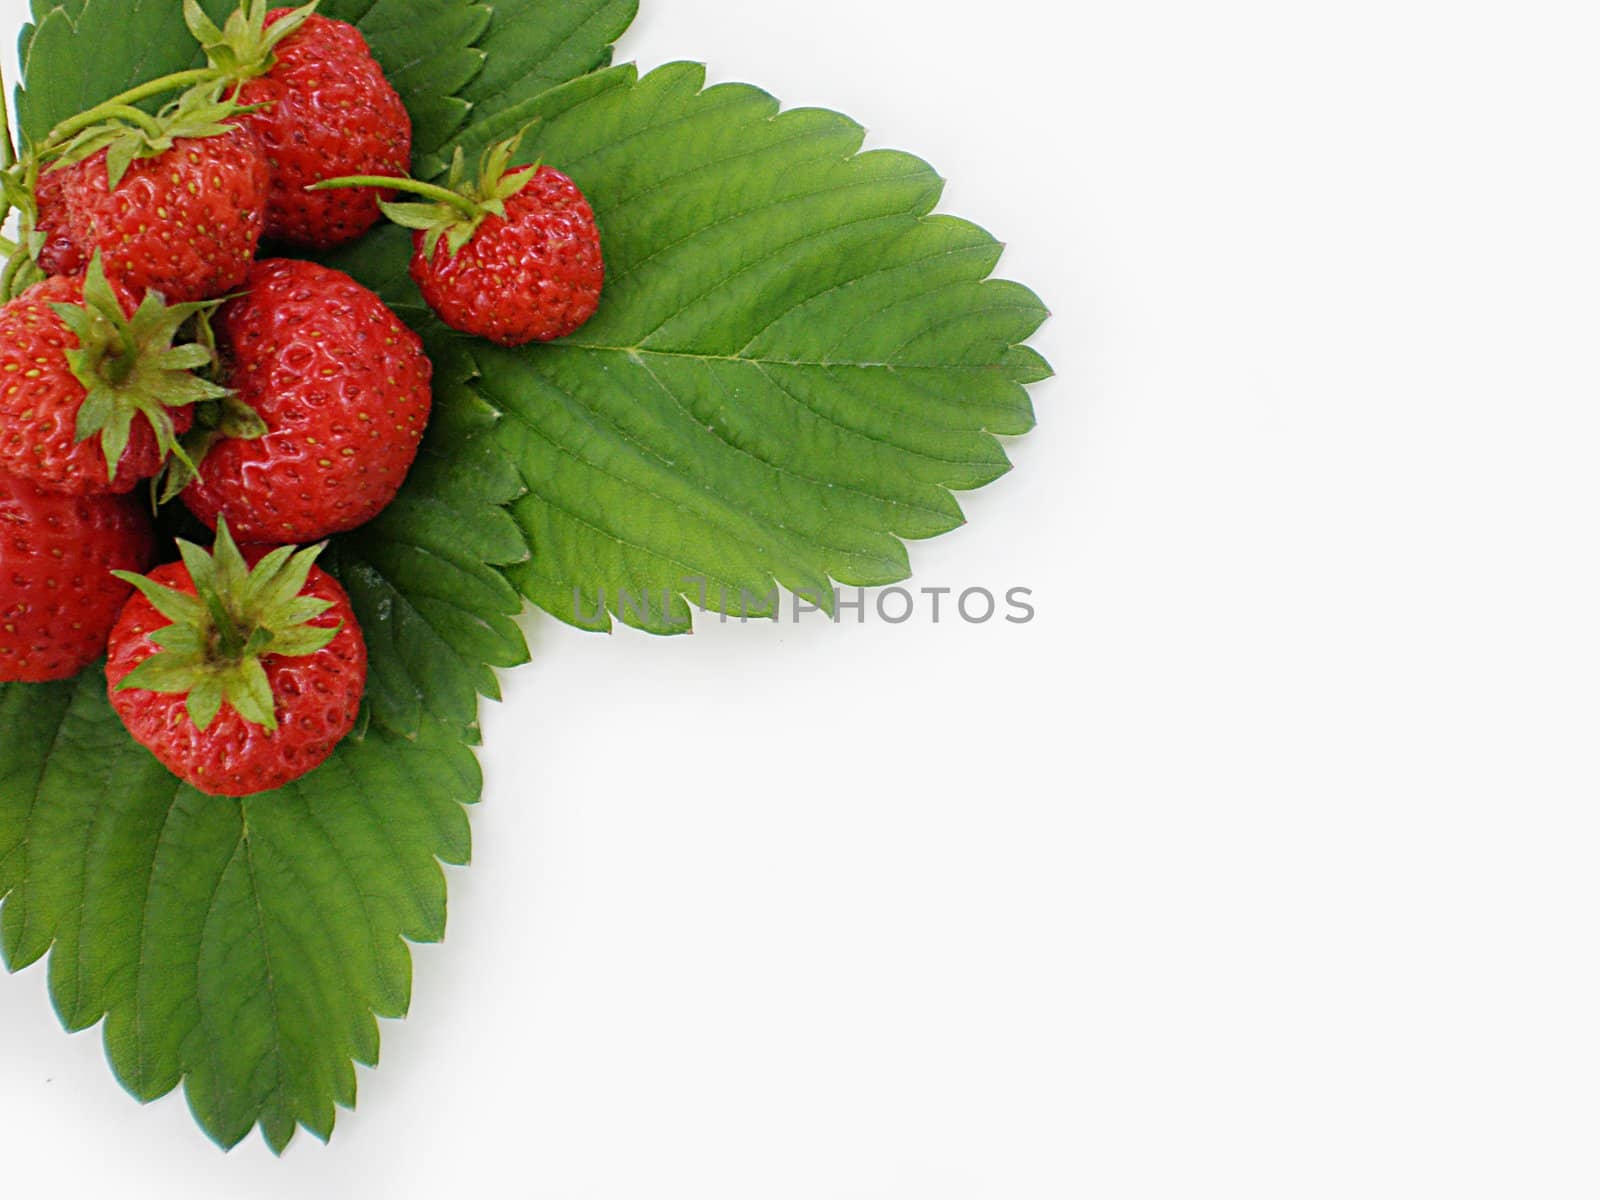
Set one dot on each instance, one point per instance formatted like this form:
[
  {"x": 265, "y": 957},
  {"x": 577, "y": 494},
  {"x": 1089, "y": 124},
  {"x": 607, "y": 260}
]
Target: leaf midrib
[{"x": 760, "y": 361}]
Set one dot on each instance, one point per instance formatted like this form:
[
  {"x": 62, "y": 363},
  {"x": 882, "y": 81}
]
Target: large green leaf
[
  {"x": 794, "y": 365},
  {"x": 242, "y": 948}
]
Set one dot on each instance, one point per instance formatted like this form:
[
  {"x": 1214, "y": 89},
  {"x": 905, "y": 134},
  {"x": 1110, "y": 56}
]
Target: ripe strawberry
[
  {"x": 533, "y": 275},
  {"x": 179, "y": 212},
  {"x": 87, "y": 380},
  {"x": 58, "y": 597},
  {"x": 328, "y": 111},
  {"x": 343, "y": 388},
  {"x": 58, "y": 254},
  {"x": 520, "y": 260},
  {"x": 239, "y": 680}
]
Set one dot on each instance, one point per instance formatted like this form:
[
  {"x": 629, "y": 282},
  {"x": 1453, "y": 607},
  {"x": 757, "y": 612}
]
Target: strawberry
[
  {"x": 343, "y": 389},
  {"x": 513, "y": 257},
  {"x": 327, "y": 110},
  {"x": 58, "y": 254},
  {"x": 240, "y": 671},
  {"x": 531, "y": 275},
  {"x": 58, "y": 597},
  {"x": 88, "y": 380},
  {"x": 176, "y": 207}
]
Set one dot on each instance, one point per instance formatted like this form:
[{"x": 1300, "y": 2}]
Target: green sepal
[
  {"x": 130, "y": 367},
  {"x": 238, "y": 420},
  {"x": 212, "y": 650},
  {"x": 243, "y": 47},
  {"x": 182, "y": 609},
  {"x": 204, "y": 702}
]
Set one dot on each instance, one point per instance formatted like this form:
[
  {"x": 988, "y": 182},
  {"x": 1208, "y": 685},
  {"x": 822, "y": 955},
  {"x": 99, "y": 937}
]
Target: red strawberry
[
  {"x": 239, "y": 680},
  {"x": 176, "y": 208},
  {"x": 513, "y": 257},
  {"x": 343, "y": 388},
  {"x": 59, "y": 254},
  {"x": 329, "y": 111},
  {"x": 58, "y": 598},
  {"x": 532, "y": 275},
  {"x": 72, "y": 396}
]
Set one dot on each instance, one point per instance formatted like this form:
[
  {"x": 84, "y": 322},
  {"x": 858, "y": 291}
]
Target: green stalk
[
  {"x": 134, "y": 116},
  {"x": 427, "y": 190},
  {"x": 230, "y": 645},
  {"x": 8, "y": 281},
  {"x": 119, "y": 104}
]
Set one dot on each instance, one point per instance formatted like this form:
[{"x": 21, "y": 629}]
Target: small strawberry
[
  {"x": 513, "y": 257},
  {"x": 343, "y": 389},
  {"x": 239, "y": 671},
  {"x": 58, "y": 597},
  {"x": 93, "y": 393},
  {"x": 176, "y": 205},
  {"x": 58, "y": 253},
  {"x": 326, "y": 110}
]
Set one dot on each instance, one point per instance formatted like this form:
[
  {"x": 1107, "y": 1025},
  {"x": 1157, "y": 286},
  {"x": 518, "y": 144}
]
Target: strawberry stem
[
  {"x": 229, "y": 646},
  {"x": 8, "y": 280},
  {"x": 119, "y": 104},
  {"x": 133, "y": 116},
  {"x": 430, "y": 191}
]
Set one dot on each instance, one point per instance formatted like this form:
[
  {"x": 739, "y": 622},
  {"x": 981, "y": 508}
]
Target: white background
[{"x": 1262, "y": 864}]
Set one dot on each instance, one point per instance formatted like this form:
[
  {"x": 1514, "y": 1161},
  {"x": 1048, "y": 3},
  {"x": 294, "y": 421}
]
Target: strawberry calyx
[
  {"x": 243, "y": 48},
  {"x": 212, "y": 651},
  {"x": 456, "y": 210},
  {"x": 128, "y": 134},
  {"x": 130, "y": 366}
]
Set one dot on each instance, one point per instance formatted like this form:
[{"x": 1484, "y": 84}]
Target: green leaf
[
  {"x": 793, "y": 367},
  {"x": 241, "y": 948},
  {"x": 532, "y": 46}
]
